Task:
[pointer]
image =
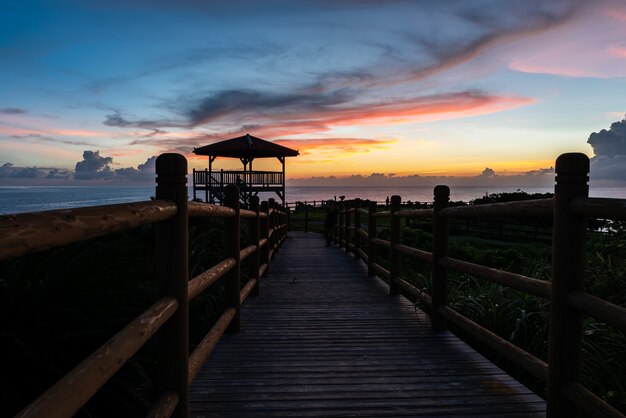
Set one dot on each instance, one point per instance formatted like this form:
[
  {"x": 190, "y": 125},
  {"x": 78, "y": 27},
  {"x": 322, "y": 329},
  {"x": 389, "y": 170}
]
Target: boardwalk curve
[{"x": 324, "y": 340}]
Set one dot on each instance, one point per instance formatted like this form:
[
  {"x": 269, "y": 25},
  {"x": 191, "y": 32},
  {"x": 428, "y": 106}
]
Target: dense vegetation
[
  {"x": 58, "y": 306},
  {"x": 524, "y": 319}
]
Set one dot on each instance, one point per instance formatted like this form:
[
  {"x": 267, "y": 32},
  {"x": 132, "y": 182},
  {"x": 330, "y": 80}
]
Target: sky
[{"x": 372, "y": 92}]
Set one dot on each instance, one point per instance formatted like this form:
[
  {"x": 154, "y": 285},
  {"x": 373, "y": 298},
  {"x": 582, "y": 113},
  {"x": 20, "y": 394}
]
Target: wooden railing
[
  {"x": 267, "y": 227},
  {"x": 569, "y": 210},
  {"x": 250, "y": 178}
]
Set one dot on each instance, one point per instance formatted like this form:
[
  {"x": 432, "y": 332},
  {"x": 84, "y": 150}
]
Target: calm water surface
[{"x": 39, "y": 198}]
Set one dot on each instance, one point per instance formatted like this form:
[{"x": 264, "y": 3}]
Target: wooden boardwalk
[{"x": 325, "y": 340}]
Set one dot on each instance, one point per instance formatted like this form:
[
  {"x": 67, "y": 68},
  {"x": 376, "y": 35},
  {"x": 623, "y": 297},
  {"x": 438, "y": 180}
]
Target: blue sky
[{"x": 415, "y": 89}]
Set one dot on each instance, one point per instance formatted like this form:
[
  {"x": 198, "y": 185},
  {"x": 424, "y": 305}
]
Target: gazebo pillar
[
  {"x": 209, "y": 180},
  {"x": 282, "y": 197}
]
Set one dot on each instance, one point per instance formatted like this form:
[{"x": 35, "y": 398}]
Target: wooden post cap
[
  {"x": 396, "y": 200},
  {"x": 572, "y": 162},
  {"x": 572, "y": 167},
  {"x": 171, "y": 168}
]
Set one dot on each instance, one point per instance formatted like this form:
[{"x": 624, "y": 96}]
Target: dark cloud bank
[
  {"x": 609, "y": 148},
  {"x": 488, "y": 177},
  {"x": 93, "y": 167}
]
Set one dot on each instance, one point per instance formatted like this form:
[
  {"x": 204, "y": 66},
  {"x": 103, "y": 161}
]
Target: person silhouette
[{"x": 330, "y": 222}]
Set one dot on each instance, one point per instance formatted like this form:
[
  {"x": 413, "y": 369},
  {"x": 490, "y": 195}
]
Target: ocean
[{"x": 39, "y": 198}]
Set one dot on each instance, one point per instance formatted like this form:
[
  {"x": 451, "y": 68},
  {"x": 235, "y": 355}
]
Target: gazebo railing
[{"x": 250, "y": 178}]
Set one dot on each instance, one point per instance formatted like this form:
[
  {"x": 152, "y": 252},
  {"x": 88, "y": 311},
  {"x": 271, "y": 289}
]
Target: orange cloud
[
  {"x": 422, "y": 109},
  {"x": 74, "y": 132},
  {"x": 431, "y": 108},
  {"x": 341, "y": 146},
  {"x": 306, "y": 122}
]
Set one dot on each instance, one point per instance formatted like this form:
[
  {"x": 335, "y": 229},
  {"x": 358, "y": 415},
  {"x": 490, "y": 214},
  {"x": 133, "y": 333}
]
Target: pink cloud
[
  {"x": 591, "y": 45},
  {"x": 617, "y": 51},
  {"x": 414, "y": 110}
]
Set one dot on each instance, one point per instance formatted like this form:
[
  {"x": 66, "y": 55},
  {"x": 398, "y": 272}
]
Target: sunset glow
[{"x": 431, "y": 89}]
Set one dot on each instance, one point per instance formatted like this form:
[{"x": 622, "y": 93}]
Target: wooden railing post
[
  {"x": 253, "y": 238},
  {"x": 394, "y": 255},
  {"x": 265, "y": 229},
  {"x": 342, "y": 227},
  {"x": 232, "y": 246},
  {"x": 273, "y": 223},
  {"x": 206, "y": 186},
  {"x": 440, "y": 249},
  {"x": 306, "y": 217},
  {"x": 279, "y": 225},
  {"x": 568, "y": 267},
  {"x": 357, "y": 226},
  {"x": 347, "y": 227},
  {"x": 339, "y": 208},
  {"x": 172, "y": 276},
  {"x": 371, "y": 233}
]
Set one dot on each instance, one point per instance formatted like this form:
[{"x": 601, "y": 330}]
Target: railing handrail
[
  {"x": 238, "y": 171},
  {"x": 26, "y": 233},
  {"x": 525, "y": 208},
  {"x": 568, "y": 211}
]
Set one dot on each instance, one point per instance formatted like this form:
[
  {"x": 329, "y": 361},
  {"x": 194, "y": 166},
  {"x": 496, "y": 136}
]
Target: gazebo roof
[{"x": 246, "y": 146}]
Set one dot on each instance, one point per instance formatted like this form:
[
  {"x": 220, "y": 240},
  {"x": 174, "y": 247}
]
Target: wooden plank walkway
[{"x": 325, "y": 340}]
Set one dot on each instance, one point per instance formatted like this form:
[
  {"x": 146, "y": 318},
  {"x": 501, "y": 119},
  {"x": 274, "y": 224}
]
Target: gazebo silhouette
[{"x": 247, "y": 148}]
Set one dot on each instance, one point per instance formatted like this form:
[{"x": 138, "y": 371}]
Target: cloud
[
  {"x": 484, "y": 27},
  {"x": 43, "y": 138},
  {"x": 59, "y": 173},
  {"x": 116, "y": 119},
  {"x": 94, "y": 167},
  {"x": 609, "y": 143},
  {"x": 488, "y": 172},
  {"x": 8, "y": 170},
  {"x": 323, "y": 111},
  {"x": 186, "y": 58},
  {"x": 143, "y": 172},
  {"x": 348, "y": 93},
  {"x": 335, "y": 145},
  {"x": 590, "y": 47},
  {"x": 302, "y": 113},
  {"x": 228, "y": 102},
  {"x": 609, "y": 148},
  {"x": 12, "y": 111},
  {"x": 488, "y": 177}
]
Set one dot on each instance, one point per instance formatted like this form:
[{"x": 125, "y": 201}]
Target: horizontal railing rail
[
  {"x": 250, "y": 178},
  {"x": 27, "y": 233},
  {"x": 568, "y": 211}
]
